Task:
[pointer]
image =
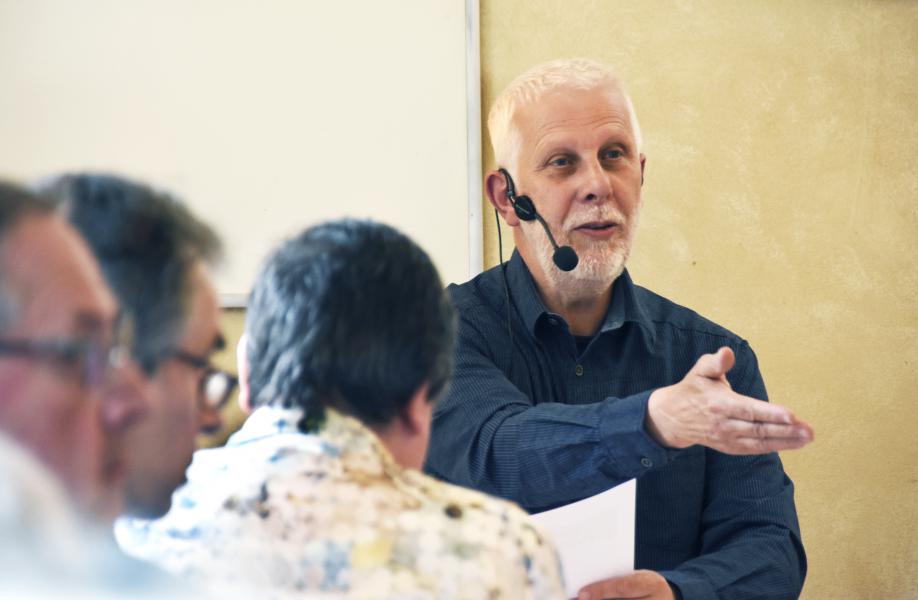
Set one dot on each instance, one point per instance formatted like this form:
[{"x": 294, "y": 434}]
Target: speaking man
[{"x": 571, "y": 379}]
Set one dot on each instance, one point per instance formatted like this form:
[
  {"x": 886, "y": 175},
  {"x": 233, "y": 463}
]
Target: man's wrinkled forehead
[
  {"x": 58, "y": 284},
  {"x": 568, "y": 106}
]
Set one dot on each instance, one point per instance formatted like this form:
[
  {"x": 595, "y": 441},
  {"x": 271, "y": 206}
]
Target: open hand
[
  {"x": 703, "y": 409},
  {"x": 646, "y": 585}
]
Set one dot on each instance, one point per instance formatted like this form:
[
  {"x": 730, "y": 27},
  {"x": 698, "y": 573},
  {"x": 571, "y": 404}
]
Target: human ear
[
  {"x": 496, "y": 188},
  {"x": 416, "y": 415}
]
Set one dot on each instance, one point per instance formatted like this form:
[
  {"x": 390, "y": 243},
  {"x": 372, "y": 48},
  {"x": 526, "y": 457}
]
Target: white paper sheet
[{"x": 595, "y": 536}]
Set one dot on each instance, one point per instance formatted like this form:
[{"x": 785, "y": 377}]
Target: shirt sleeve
[
  {"x": 750, "y": 540},
  {"x": 492, "y": 437}
]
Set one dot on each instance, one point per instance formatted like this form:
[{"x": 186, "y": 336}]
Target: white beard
[{"x": 601, "y": 262}]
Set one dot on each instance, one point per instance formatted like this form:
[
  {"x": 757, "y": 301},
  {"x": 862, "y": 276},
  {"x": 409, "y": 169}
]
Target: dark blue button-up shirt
[{"x": 530, "y": 418}]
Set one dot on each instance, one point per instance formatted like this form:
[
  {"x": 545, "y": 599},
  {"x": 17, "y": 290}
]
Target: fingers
[
  {"x": 715, "y": 366},
  {"x": 744, "y": 408},
  {"x": 748, "y": 446},
  {"x": 744, "y": 437},
  {"x": 756, "y": 427},
  {"x": 737, "y": 428},
  {"x": 640, "y": 584}
]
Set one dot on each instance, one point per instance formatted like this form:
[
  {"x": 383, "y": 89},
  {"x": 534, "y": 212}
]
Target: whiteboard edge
[
  {"x": 233, "y": 300},
  {"x": 473, "y": 134}
]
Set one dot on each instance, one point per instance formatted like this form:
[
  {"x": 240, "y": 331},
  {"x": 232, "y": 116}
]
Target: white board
[{"x": 265, "y": 116}]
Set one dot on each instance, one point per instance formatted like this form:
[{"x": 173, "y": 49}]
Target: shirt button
[
  {"x": 646, "y": 462},
  {"x": 578, "y": 370}
]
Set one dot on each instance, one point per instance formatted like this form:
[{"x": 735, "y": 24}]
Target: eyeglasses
[
  {"x": 92, "y": 358},
  {"x": 216, "y": 385}
]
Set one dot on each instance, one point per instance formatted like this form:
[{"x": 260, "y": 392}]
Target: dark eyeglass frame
[
  {"x": 230, "y": 381},
  {"x": 96, "y": 359}
]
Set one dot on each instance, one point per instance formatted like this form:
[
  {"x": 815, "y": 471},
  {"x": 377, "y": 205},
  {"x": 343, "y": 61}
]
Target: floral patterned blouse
[{"x": 331, "y": 514}]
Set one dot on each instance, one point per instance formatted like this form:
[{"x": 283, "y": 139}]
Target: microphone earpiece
[
  {"x": 522, "y": 205},
  {"x": 564, "y": 257},
  {"x": 524, "y": 208}
]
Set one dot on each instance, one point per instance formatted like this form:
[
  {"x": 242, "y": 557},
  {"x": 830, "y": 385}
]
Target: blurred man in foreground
[
  {"x": 349, "y": 344},
  {"x": 68, "y": 396},
  {"x": 154, "y": 254},
  {"x": 69, "y": 391}
]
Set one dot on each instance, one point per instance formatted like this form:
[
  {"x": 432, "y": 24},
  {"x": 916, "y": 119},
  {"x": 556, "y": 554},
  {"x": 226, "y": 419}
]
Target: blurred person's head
[
  {"x": 67, "y": 391},
  {"x": 351, "y": 315},
  {"x": 154, "y": 254}
]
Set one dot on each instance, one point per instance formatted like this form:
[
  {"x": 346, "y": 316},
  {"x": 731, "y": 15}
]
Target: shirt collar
[
  {"x": 624, "y": 307},
  {"x": 339, "y": 435},
  {"x": 525, "y": 296}
]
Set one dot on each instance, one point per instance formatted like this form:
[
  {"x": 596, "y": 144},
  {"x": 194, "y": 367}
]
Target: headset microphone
[{"x": 564, "y": 257}]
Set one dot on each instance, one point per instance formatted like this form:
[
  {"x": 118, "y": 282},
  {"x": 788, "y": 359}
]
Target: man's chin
[
  {"x": 598, "y": 266},
  {"x": 599, "y": 269},
  {"x": 107, "y": 505},
  {"x": 150, "y": 502},
  {"x": 148, "y": 508}
]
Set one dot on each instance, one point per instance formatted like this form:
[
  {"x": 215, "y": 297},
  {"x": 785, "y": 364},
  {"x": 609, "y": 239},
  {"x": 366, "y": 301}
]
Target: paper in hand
[{"x": 594, "y": 536}]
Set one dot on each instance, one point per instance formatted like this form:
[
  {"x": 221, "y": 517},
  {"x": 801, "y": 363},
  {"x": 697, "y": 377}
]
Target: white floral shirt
[{"x": 331, "y": 514}]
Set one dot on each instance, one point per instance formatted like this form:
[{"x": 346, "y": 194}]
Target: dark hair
[
  {"x": 350, "y": 315},
  {"x": 15, "y": 204},
  {"x": 146, "y": 242}
]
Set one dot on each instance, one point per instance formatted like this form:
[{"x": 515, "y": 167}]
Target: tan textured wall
[
  {"x": 232, "y": 324},
  {"x": 781, "y": 202}
]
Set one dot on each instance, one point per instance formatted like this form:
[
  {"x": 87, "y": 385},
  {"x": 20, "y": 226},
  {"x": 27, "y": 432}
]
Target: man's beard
[{"x": 601, "y": 261}]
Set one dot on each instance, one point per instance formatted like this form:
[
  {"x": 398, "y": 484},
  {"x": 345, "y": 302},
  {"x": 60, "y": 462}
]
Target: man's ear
[
  {"x": 643, "y": 163},
  {"x": 415, "y": 417},
  {"x": 496, "y": 188}
]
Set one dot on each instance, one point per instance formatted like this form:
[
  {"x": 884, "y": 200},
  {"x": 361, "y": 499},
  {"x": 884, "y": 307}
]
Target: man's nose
[
  {"x": 596, "y": 185},
  {"x": 126, "y": 397}
]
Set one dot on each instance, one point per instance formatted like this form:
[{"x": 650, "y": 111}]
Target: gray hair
[
  {"x": 568, "y": 73},
  {"x": 147, "y": 243}
]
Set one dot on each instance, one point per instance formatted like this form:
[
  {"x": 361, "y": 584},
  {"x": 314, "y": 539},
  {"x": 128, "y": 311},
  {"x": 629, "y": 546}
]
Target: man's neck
[
  {"x": 584, "y": 313},
  {"x": 583, "y": 306}
]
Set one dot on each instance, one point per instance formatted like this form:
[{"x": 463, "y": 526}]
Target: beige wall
[
  {"x": 781, "y": 202},
  {"x": 232, "y": 323}
]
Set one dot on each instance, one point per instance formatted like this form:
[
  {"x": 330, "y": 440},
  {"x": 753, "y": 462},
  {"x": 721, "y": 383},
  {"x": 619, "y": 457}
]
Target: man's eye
[
  {"x": 71, "y": 353},
  {"x": 613, "y": 154},
  {"x": 560, "y": 161}
]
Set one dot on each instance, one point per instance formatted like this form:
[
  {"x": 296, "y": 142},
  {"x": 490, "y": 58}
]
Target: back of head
[
  {"x": 350, "y": 315},
  {"x": 16, "y": 203},
  {"x": 146, "y": 242},
  {"x": 567, "y": 73}
]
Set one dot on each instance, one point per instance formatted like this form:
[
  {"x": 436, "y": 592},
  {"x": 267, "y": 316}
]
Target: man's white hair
[{"x": 565, "y": 73}]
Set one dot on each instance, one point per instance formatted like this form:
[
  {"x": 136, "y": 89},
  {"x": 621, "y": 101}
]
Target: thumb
[{"x": 717, "y": 365}]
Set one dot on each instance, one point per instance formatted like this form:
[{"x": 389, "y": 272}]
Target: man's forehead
[
  {"x": 572, "y": 107},
  {"x": 56, "y": 280}
]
